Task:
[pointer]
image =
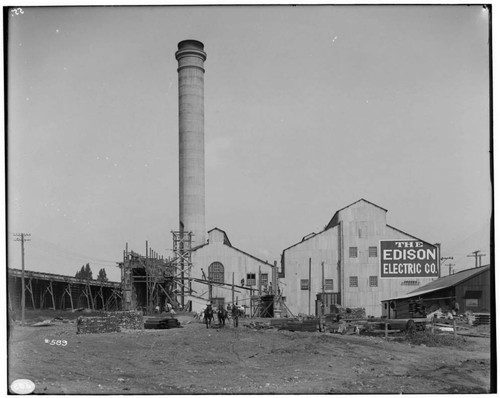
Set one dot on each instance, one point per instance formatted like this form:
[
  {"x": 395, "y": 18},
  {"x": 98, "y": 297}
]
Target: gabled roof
[
  {"x": 444, "y": 282},
  {"x": 226, "y": 239},
  {"x": 307, "y": 237},
  {"x": 334, "y": 220},
  {"x": 228, "y": 243}
]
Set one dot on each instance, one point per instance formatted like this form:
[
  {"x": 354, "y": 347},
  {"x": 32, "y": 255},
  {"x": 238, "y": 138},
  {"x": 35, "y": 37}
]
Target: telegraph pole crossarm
[
  {"x": 477, "y": 257},
  {"x": 441, "y": 263}
]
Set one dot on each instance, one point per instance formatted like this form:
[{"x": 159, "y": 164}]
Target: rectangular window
[
  {"x": 353, "y": 281},
  {"x": 251, "y": 280},
  {"x": 328, "y": 284},
  {"x": 264, "y": 279},
  {"x": 353, "y": 252},
  {"x": 472, "y": 302},
  {"x": 304, "y": 284},
  {"x": 473, "y": 294},
  {"x": 372, "y": 251},
  {"x": 373, "y": 281}
]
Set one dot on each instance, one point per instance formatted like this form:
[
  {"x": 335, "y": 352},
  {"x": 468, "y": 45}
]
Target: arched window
[{"x": 216, "y": 272}]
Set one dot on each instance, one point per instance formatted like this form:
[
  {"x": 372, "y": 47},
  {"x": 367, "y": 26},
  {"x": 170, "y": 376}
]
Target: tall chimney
[{"x": 191, "y": 58}]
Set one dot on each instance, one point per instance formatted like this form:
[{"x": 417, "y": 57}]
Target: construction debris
[
  {"x": 258, "y": 325},
  {"x": 305, "y": 325},
  {"x": 348, "y": 313},
  {"x": 43, "y": 323}
]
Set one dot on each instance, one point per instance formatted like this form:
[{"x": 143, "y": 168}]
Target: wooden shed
[{"x": 468, "y": 290}]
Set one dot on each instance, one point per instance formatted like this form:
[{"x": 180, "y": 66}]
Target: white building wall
[
  {"x": 234, "y": 261},
  {"x": 320, "y": 248}
]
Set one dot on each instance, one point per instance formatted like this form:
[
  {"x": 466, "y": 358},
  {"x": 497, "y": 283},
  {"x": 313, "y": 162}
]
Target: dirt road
[{"x": 196, "y": 360}]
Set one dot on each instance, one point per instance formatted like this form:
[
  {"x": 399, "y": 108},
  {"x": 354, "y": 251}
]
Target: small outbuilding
[{"x": 467, "y": 290}]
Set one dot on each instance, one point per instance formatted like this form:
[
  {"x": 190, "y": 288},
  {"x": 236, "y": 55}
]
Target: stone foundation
[{"x": 110, "y": 322}]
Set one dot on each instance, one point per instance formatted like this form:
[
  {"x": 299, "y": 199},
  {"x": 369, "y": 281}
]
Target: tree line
[{"x": 85, "y": 273}]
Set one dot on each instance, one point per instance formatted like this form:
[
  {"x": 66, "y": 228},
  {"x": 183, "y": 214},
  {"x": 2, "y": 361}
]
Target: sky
[{"x": 307, "y": 110}]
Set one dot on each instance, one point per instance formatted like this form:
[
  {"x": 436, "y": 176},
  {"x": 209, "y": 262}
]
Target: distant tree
[
  {"x": 84, "y": 273},
  {"x": 88, "y": 272},
  {"x": 79, "y": 274},
  {"x": 102, "y": 277}
]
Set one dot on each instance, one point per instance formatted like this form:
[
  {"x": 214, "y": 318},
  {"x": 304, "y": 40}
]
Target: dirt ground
[{"x": 196, "y": 360}]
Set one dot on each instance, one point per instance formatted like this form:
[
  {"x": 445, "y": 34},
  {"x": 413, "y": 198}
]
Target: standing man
[{"x": 235, "y": 314}]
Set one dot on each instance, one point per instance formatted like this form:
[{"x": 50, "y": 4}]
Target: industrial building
[
  {"x": 467, "y": 290},
  {"x": 234, "y": 276},
  {"x": 358, "y": 260}
]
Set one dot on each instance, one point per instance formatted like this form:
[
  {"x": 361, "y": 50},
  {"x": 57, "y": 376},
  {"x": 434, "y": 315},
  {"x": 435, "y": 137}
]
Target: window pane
[
  {"x": 353, "y": 252},
  {"x": 251, "y": 280},
  {"x": 373, "y": 281},
  {"x": 328, "y": 284},
  {"x": 216, "y": 272},
  {"x": 304, "y": 284},
  {"x": 353, "y": 281},
  {"x": 372, "y": 251}
]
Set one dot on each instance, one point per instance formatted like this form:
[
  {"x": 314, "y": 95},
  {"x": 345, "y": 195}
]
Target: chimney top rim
[{"x": 190, "y": 43}]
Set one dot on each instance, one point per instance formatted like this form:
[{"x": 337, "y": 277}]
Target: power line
[{"x": 58, "y": 248}]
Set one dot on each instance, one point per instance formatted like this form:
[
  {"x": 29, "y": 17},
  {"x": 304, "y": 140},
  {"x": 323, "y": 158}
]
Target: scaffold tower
[{"x": 182, "y": 263}]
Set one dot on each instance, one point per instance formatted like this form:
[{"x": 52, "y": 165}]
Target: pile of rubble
[
  {"x": 110, "y": 322},
  {"x": 257, "y": 325},
  {"x": 348, "y": 313}
]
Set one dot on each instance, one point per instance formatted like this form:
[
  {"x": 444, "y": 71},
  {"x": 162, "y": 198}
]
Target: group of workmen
[{"x": 223, "y": 313}]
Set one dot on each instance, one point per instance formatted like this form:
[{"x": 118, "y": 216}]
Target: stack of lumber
[
  {"x": 161, "y": 323},
  {"x": 482, "y": 319},
  {"x": 306, "y": 325},
  {"x": 276, "y": 323},
  {"x": 109, "y": 322},
  {"x": 348, "y": 313}
]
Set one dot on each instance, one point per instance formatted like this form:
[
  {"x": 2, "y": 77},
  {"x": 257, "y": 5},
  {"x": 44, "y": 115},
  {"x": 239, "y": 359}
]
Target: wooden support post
[
  {"x": 70, "y": 296},
  {"x": 386, "y": 330},
  {"x": 309, "y": 313},
  {"x": 89, "y": 292},
  {"x": 51, "y": 291},
  {"x": 102, "y": 297},
  {"x": 29, "y": 287},
  {"x": 232, "y": 291},
  {"x": 454, "y": 328},
  {"x": 323, "y": 289},
  {"x": 260, "y": 283}
]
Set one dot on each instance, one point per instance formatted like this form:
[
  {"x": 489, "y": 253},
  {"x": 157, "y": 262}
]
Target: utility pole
[
  {"x": 449, "y": 268},
  {"x": 23, "y": 299},
  {"x": 442, "y": 261},
  {"x": 232, "y": 291},
  {"x": 322, "y": 288},
  {"x": 477, "y": 256}
]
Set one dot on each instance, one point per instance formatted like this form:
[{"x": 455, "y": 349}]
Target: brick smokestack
[{"x": 191, "y": 58}]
